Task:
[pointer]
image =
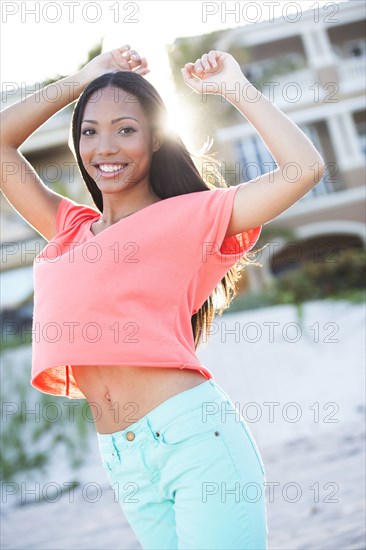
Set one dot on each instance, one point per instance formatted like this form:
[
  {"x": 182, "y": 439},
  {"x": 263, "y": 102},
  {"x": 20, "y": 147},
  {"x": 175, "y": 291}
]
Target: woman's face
[{"x": 116, "y": 144}]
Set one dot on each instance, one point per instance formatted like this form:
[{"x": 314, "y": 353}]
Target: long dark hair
[{"x": 172, "y": 172}]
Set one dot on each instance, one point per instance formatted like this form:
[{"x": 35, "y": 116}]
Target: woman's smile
[{"x": 109, "y": 171}]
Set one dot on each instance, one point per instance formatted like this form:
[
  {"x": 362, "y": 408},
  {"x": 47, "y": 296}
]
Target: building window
[
  {"x": 324, "y": 186},
  {"x": 255, "y": 159},
  {"x": 355, "y": 48}
]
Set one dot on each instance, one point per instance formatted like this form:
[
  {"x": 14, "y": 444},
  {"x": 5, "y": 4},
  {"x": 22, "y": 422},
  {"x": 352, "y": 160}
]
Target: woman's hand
[
  {"x": 213, "y": 73},
  {"x": 120, "y": 59}
]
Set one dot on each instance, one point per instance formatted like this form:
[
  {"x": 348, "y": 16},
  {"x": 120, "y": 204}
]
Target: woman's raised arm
[
  {"x": 300, "y": 165},
  {"x": 20, "y": 183}
]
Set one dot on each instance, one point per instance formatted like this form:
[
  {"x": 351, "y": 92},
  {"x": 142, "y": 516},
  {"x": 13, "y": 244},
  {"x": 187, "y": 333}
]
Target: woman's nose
[{"x": 106, "y": 145}]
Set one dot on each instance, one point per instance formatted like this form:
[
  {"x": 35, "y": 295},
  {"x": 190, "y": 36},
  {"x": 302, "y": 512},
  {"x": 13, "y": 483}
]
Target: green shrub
[
  {"x": 317, "y": 280},
  {"x": 342, "y": 279},
  {"x": 29, "y": 440}
]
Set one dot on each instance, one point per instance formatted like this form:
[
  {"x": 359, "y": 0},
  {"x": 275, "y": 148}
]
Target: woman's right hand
[{"x": 120, "y": 59}]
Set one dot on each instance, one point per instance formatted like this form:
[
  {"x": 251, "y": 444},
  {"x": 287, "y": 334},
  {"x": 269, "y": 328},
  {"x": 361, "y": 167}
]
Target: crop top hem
[{"x": 71, "y": 390}]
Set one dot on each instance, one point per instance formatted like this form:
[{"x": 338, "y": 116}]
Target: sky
[{"x": 43, "y": 39}]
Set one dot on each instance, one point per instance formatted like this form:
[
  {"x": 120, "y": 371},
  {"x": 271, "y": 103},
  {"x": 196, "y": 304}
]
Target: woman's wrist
[
  {"x": 77, "y": 82},
  {"x": 235, "y": 91}
]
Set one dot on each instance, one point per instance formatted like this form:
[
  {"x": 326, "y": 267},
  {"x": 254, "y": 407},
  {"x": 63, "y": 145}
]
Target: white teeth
[{"x": 110, "y": 167}]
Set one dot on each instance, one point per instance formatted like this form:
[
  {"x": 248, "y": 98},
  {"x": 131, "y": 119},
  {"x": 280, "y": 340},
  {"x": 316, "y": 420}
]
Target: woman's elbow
[{"x": 313, "y": 174}]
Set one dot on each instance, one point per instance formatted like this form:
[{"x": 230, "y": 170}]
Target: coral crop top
[{"x": 126, "y": 296}]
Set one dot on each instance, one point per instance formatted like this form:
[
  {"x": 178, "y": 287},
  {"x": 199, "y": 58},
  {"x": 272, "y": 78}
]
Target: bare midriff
[{"x": 119, "y": 396}]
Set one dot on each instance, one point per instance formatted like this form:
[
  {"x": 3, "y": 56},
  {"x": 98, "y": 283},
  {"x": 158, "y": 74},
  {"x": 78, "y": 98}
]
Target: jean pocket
[
  {"x": 253, "y": 443},
  {"x": 188, "y": 429}
]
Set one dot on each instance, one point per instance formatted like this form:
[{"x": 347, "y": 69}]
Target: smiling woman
[
  {"x": 122, "y": 325},
  {"x": 116, "y": 151}
]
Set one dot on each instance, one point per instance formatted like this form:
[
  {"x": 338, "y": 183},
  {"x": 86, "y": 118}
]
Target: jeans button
[{"x": 130, "y": 436}]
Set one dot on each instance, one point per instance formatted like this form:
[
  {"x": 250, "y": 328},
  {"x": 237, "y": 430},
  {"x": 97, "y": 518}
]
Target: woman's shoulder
[{"x": 71, "y": 212}]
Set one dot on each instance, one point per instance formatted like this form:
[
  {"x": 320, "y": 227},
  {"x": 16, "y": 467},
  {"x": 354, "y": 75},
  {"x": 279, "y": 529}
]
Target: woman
[{"x": 181, "y": 459}]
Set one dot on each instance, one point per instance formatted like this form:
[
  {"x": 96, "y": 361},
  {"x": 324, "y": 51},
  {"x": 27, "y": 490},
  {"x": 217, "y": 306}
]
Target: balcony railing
[
  {"x": 352, "y": 74},
  {"x": 292, "y": 88}
]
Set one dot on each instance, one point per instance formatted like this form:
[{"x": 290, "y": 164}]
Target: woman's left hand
[
  {"x": 213, "y": 73},
  {"x": 119, "y": 59}
]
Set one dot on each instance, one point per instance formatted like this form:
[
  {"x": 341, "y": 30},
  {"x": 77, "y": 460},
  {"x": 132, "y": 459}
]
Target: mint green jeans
[{"x": 189, "y": 474}]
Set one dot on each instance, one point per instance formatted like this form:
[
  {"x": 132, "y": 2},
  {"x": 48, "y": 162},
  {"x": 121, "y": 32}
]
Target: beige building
[{"x": 324, "y": 94}]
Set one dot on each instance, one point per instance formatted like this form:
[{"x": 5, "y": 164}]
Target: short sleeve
[
  {"x": 217, "y": 252},
  {"x": 214, "y": 219},
  {"x": 70, "y": 213}
]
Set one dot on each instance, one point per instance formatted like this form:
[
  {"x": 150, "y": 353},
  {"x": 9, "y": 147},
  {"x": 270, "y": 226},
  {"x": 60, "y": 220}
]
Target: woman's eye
[
  {"x": 128, "y": 128},
  {"x": 87, "y": 130}
]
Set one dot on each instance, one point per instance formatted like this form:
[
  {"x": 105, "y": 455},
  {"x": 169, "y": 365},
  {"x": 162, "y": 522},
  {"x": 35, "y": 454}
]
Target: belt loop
[{"x": 156, "y": 434}]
